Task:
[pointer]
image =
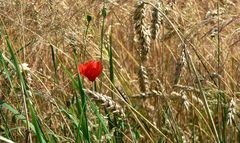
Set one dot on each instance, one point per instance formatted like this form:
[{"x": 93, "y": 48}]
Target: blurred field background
[{"x": 171, "y": 71}]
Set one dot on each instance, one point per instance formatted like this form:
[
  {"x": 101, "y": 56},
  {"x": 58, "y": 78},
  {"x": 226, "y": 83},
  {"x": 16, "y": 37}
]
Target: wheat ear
[
  {"x": 106, "y": 101},
  {"x": 141, "y": 30},
  {"x": 143, "y": 38},
  {"x": 156, "y": 20},
  {"x": 180, "y": 64}
]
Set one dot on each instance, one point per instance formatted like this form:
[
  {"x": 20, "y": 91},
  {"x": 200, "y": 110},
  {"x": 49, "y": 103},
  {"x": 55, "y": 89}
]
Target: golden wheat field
[{"x": 119, "y": 71}]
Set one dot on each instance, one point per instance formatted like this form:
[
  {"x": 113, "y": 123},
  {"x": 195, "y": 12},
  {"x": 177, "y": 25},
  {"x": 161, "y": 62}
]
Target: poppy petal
[
  {"x": 81, "y": 69},
  {"x": 91, "y": 69}
]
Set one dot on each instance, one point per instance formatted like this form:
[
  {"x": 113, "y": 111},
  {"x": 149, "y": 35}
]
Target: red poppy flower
[{"x": 91, "y": 69}]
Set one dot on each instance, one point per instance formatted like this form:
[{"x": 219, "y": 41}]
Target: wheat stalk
[
  {"x": 179, "y": 66},
  {"x": 143, "y": 79},
  {"x": 141, "y": 30},
  {"x": 152, "y": 93},
  {"x": 231, "y": 112},
  {"x": 156, "y": 20},
  {"x": 143, "y": 38},
  {"x": 106, "y": 101}
]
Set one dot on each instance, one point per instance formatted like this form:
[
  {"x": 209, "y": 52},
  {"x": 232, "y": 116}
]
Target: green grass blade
[
  {"x": 18, "y": 115},
  {"x": 111, "y": 70},
  {"x": 81, "y": 108},
  {"x": 39, "y": 134},
  {"x": 4, "y": 116},
  {"x": 4, "y": 65},
  {"x": 36, "y": 124}
]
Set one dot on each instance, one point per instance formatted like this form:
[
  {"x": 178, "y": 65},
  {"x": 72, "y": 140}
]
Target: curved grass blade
[{"x": 39, "y": 134}]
